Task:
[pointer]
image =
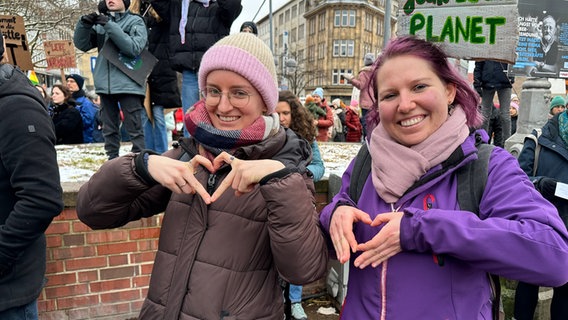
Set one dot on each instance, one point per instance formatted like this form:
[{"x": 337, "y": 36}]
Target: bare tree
[
  {"x": 47, "y": 20},
  {"x": 298, "y": 76}
]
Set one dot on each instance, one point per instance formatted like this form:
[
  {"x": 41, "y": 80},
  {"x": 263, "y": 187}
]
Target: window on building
[
  {"x": 301, "y": 6},
  {"x": 312, "y": 26},
  {"x": 343, "y": 48},
  {"x": 293, "y": 35},
  {"x": 344, "y": 18},
  {"x": 300, "y": 57},
  {"x": 281, "y": 19},
  {"x": 294, "y": 11},
  {"x": 380, "y": 26},
  {"x": 369, "y": 22},
  {"x": 321, "y": 50},
  {"x": 321, "y": 18},
  {"x": 301, "y": 32},
  {"x": 311, "y": 53},
  {"x": 336, "y": 76},
  {"x": 287, "y": 15}
]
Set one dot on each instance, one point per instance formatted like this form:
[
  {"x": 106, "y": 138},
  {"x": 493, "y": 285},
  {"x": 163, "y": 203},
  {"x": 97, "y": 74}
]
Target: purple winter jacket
[{"x": 518, "y": 235}]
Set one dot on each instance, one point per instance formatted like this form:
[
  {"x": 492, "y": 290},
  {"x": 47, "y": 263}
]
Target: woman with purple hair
[{"x": 413, "y": 251}]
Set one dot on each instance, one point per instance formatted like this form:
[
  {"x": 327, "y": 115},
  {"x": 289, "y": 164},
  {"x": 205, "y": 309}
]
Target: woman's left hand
[
  {"x": 244, "y": 175},
  {"x": 384, "y": 244}
]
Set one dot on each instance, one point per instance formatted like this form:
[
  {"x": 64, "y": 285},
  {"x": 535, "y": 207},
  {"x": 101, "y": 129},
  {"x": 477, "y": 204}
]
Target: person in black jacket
[
  {"x": 66, "y": 118},
  {"x": 490, "y": 77},
  {"x": 204, "y": 22},
  {"x": 30, "y": 191},
  {"x": 162, "y": 82},
  {"x": 551, "y": 170}
]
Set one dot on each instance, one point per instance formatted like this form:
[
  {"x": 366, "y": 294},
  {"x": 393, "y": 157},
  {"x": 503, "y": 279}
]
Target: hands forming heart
[
  {"x": 385, "y": 244},
  {"x": 178, "y": 176}
]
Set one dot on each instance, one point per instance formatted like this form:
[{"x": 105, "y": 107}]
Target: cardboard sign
[
  {"x": 137, "y": 68},
  {"x": 60, "y": 54},
  {"x": 468, "y": 29},
  {"x": 17, "y": 49}
]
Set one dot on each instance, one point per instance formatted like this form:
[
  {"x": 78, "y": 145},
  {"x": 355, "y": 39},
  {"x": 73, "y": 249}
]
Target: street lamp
[{"x": 289, "y": 65}]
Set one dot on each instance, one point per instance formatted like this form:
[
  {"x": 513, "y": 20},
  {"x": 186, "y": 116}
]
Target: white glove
[{"x": 347, "y": 76}]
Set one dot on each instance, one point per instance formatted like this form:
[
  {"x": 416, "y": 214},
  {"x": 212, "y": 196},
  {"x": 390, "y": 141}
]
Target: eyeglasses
[{"x": 238, "y": 98}]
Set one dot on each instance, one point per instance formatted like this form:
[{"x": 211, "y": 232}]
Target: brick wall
[{"x": 105, "y": 274}]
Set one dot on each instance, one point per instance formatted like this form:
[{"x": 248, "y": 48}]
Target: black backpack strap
[
  {"x": 472, "y": 179},
  {"x": 360, "y": 173}
]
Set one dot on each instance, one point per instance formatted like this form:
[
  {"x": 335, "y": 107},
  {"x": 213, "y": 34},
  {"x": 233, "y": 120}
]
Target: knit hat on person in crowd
[
  {"x": 354, "y": 103},
  {"x": 368, "y": 59},
  {"x": 336, "y": 102},
  {"x": 249, "y": 25},
  {"x": 515, "y": 105},
  {"x": 557, "y": 101},
  {"x": 514, "y": 97},
  {"x": 245, "y": 54},
  {"x": 80, "y": 80},
  {"x": 318, "y": 92}
]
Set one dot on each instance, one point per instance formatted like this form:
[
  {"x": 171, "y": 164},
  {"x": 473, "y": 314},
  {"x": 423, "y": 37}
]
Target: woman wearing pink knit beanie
[{"x": 237, "y": 199}]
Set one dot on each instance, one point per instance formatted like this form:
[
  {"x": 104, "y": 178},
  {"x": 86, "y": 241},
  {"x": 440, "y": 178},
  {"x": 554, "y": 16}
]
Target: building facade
[{"x": 315, "y": 41}]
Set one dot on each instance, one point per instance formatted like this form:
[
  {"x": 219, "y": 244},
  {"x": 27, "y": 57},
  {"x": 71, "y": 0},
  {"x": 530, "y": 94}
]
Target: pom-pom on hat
[
  {"x": 245, "y": 54},
  {"x": 80, "y": 80},
  {"x": 557, "y": 101}
]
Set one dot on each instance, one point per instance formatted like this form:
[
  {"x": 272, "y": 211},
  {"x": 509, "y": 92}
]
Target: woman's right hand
[
  {"x": 341, "y": 230},
  {"x": 178, "y": 176}
]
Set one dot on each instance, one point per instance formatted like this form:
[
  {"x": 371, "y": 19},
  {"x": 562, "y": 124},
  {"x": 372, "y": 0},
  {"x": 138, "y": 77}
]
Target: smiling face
[
  {"x": 225, "y": 116},
  {"x": 413, "y": 100}
]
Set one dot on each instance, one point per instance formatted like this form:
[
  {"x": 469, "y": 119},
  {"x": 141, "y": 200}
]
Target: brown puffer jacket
[{"x": 219, "y": 261}]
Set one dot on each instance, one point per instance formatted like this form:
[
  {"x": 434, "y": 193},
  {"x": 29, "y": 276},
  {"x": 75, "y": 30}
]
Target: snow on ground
[{"x": 78, "y": 162}]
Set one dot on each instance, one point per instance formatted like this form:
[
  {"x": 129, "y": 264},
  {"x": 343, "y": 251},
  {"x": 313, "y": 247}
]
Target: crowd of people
[{"x": 240, "y": 226}]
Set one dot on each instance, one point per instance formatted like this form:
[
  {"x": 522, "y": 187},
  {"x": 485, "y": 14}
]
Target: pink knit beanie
[{"x": 245, "y": 54}]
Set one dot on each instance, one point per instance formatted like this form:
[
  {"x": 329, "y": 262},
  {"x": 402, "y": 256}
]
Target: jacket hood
[{"x": 14, "y": 82}]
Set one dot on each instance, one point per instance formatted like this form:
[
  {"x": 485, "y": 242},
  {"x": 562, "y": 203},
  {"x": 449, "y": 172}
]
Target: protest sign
[
  {"x": 467, "y": 29},
  {"x": 59, "y": 54},
  {"x": 17, "y": 49}
]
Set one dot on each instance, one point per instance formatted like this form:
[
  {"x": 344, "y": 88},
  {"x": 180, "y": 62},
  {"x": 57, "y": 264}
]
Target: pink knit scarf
[{"x": 396, "y": 167}]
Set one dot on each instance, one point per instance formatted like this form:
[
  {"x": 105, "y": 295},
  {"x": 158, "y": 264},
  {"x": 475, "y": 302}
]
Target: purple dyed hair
[{"x": 437, "y": 58}]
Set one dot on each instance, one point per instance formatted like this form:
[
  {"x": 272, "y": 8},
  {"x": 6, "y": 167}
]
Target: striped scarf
[{"x": 198, "y": 124}]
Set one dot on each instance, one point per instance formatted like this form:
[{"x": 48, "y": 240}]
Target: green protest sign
[{"x": 468, "y": 29}]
